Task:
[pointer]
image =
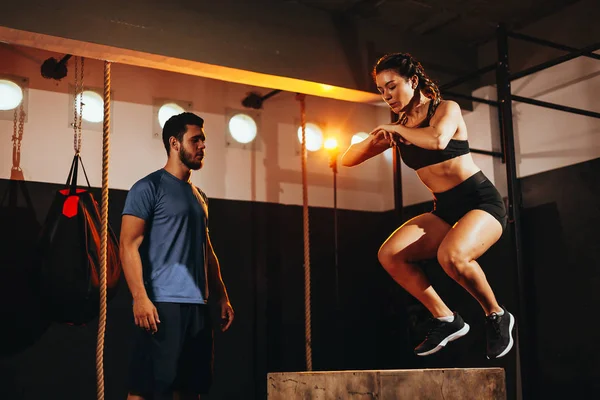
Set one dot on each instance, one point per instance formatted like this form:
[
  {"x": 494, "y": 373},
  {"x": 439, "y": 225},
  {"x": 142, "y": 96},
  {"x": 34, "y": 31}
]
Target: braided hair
[{"x": 406, "y": 66}]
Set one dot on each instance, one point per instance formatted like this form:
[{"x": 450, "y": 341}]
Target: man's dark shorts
[{"x": 179, "y": 357}]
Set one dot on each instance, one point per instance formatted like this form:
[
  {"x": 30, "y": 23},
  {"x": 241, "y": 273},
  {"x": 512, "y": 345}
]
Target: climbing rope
[
  {"x": 103, "y": 234},
  {"x": 307, "y": 326}
]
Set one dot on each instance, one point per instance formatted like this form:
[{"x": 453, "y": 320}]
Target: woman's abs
[{"x": 446, "y": 175}]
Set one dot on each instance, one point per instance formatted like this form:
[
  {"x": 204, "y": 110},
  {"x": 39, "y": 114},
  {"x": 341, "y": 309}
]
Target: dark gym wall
[
  {"x": 376, "y": 325},
  {"x": 560, "y": 230},
  {"x": 261, "y": 252},
  {"x": 260, "y": 246}
]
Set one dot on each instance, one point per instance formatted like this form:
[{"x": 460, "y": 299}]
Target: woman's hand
[{"x": 385, "y": 133}]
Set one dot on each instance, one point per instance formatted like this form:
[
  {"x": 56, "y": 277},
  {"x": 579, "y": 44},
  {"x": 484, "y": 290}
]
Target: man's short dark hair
[{"x": 177, "y": 126}]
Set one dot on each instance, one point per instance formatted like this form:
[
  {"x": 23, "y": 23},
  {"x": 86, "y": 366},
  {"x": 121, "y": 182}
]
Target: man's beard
[{"x": 190, "y": 160}]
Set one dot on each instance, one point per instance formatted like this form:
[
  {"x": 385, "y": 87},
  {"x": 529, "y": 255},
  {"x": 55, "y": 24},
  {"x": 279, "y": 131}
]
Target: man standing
[{"x": 170, "y": 267}]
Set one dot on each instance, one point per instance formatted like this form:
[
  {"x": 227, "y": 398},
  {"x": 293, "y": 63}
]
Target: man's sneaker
[
  {"x": 440, "y": 333},
  {"x": 498, "y": 330}
]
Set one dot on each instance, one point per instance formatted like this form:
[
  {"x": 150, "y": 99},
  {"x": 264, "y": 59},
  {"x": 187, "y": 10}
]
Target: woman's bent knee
[
  {"x": 396, "y": 265},
  {"x": 389, "y": 256},
  {"x": 454, "y": 262}
]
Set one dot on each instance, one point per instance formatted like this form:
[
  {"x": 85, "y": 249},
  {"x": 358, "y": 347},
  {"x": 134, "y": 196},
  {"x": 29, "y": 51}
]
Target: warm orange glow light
[{"x": 331, "y": 143}]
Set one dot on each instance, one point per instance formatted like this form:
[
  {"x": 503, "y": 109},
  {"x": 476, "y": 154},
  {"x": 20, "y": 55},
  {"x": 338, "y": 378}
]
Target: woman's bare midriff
[{"x": 448, "y": 174}]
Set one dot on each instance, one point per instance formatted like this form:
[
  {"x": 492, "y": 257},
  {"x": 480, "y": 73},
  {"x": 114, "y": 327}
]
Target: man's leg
[
  {"x": 195, "y": 368},
  {"x": 140, "y": 383},
  {"x": 155, "y": 358}
]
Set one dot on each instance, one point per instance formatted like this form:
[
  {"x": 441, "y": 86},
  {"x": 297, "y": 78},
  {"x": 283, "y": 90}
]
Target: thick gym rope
[
  {"x": 307, "y": 317},
  {"x": 103, "y": 233}
]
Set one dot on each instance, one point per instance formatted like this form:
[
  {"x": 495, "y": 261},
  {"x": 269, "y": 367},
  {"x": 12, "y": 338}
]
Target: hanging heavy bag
[
  {"x": 69, "y": 252},
  {"x": 23, "y": 322}
]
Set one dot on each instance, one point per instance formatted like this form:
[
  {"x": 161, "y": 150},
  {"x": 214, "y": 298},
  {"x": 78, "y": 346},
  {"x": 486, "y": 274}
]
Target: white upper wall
[
  {"x": 545, "y": 139},
  {"x": 271, "y": 173},
  {"x": 548, "y": 139}
]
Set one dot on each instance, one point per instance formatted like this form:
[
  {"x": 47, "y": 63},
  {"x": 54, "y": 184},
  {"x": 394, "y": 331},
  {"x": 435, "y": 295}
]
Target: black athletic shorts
[
  {"x": 475, "y": 193},
  {"x": 179, "y": 357}
]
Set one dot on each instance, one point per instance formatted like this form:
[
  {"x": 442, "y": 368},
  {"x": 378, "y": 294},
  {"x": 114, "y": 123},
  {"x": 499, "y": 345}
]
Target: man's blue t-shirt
[{"x": 174, "y": 247}]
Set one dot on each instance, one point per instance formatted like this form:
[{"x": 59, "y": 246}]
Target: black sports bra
[{"x": 416, "y": 157}]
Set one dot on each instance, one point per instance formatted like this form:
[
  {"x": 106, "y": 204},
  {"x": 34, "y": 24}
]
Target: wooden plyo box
[{"x": 411, "y": 384}]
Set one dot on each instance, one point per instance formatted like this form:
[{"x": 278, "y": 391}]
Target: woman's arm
[
  {"x": 373, "y": 145},
  {"x": 437, "y": 135}
]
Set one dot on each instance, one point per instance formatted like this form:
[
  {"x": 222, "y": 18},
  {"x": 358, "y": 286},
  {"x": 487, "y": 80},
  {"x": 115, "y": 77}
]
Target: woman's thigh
[
  {"x": 417, "y": 239},
  {"x": 471, "y": 236}
]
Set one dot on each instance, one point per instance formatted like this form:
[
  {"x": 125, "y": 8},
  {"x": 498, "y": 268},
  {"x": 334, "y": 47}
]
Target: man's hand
[
  {"x": 145, "y": 314},
  {"x": 226, "y": 315}
]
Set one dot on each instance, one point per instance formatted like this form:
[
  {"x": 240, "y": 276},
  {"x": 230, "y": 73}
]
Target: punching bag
[
  {"x": 69, "y": 254},
  {"x": 23, "y": 321}
]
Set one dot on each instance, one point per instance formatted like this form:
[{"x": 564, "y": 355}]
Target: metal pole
[
  {"x": 335, "y": 232},
  {"x": 556, "y": 106},
  {"x": 397, "y": 164},
  {"x": 548, "y": 43},
  {"x": 488, "y": 153},
  {"x": 514, "y": 209},
  {"x": 397, "y": 170},
  {"x": 339, "y": 344},
  {"x": 553, "y": 62}
]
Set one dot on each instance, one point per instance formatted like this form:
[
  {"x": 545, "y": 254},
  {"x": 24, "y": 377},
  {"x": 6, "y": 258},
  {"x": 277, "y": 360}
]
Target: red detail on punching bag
[
  {"x": 70, "y": 206},
  {"x": 66, "y": 191},
  {"x": 71, "y": 203}
]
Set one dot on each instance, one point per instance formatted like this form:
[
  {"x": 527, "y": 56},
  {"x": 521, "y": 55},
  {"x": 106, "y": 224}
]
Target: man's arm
[
  {"x": 217, "y": 286},
  {"x": 215, "y": 280},
  {"x": 132, "y": 235}
]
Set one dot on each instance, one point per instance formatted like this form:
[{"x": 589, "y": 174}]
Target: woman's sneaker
[
  {"x": 440, "y": 333},
  {"x": 498, "y": 329}
]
